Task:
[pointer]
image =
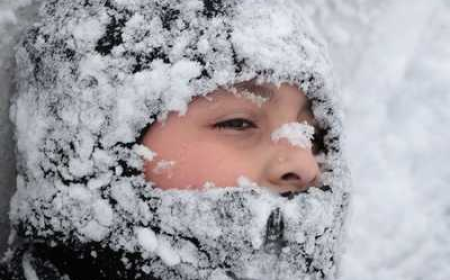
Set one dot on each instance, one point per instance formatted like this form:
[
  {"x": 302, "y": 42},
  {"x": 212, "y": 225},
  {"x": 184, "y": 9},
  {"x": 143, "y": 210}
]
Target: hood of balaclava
[{"x": 92, "y": 74}]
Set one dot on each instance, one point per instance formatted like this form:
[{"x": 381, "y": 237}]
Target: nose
[{"x": 291, "y": 168}]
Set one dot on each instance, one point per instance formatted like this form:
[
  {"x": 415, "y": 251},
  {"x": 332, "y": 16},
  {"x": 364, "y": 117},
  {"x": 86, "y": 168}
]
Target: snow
[
  {"x": 180, "y": 74},
  {"x": 144, "y": 152},
  {"x": 93, "y": 231},
  {"x": 164, "y": 166},
  {"x": 89, "y": 30},
  {"x": 252, "y": 97},
  {"x": 29, "y": 271},
  {"x": 103, "y": 213},
  {"x": 146, "y": 238},
  {"x": 167, "y": 254},
  {"x": 397, "y": 99},
  {"x": 246, "y": 204},
  {"x": 393, "y": 60},
  {"x": 297, "y": 134}
]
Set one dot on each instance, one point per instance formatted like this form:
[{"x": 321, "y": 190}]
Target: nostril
[{"x": 290, "y": 176}]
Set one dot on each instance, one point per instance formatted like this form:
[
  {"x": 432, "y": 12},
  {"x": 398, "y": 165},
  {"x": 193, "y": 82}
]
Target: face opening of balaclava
[{"x": 92, "y": 75}]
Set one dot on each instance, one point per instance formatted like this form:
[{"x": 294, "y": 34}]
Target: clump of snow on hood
[
  {"x": 146, "y": 238},
  {"x": 297, "y": 134}
]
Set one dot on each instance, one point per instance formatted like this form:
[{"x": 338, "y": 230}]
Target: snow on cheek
[
  {"x": 164, "y": 166},
  {"x": 297, "y": 134},
  {"x": 245, "y": 182},
  {"x": 209, "y": 185},
  {"x": 144, "y": 152}
]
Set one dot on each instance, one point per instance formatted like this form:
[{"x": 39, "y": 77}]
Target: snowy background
[{"x": 393, "y": 60}]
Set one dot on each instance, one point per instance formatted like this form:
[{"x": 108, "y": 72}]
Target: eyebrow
[
  {"x": 251, "y": 87},
  {"x": 267, "y": 92}
]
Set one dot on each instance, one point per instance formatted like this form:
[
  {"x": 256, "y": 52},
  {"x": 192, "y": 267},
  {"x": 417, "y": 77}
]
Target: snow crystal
[
  {"x": 99, "y": 182},
  {"x": 189, "y": 254},
  {"x": 146, "y": 238},
  {"x": 245, "y": 182},
  {"x": 103, "y": 213},
  {"x": 93, "y": 231},
  {"x": 258, "y": 100},
  {"x": 167, "y": 254},
  {"x": 208, "y": 185},
  {"x": 219, "y": 275},
  {"x": 28, "y": 269},
  {"x": 144, "y": 152},
  {"x": 163, "y": 165},
  {"x": 79, "y": 193},
  {"x": 88, "y": 31},
  {"x": 79, "y": 168},
  {"x": 180, "y": 74},
  {"x": 297, "y": 134},
  {"x": 124, "y": 195}
]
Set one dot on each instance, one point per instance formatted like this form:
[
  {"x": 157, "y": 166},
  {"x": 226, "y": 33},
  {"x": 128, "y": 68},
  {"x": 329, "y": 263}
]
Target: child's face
[{"x": 225, "y": 136}]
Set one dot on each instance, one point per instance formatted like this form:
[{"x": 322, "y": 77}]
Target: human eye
[{"x": 235, "y": 124}]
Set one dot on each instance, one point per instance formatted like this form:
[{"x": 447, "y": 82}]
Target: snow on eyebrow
[
  {"x": 255, "y": 97},
  {"x": 298, "y": 134}
]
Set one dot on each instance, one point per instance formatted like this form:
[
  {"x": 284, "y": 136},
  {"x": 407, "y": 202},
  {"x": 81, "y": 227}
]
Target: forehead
[
  {"x": 263, "y": 91},
  {"x": 271, "y": 92},
  {"x": 255, "y": 92}
]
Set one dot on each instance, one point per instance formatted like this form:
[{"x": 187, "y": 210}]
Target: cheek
[{"x": 198, "y": 163}]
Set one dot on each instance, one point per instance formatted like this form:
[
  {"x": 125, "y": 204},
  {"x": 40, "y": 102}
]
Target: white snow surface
[
  {"x": 393, "y": 60},
  {"x": 297, "y": 134}
]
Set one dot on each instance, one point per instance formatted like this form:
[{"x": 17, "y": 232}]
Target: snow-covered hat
[{"x": 94, "y": 73}]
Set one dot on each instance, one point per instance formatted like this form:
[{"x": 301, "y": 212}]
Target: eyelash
[{"x": 235, "y": 124}]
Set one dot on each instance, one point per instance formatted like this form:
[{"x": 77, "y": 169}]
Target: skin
[{"x": 225, "y": 135}]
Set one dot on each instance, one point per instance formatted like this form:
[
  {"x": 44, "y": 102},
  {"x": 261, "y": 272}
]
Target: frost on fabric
[
  {"x": 95, "y": 73},
  {"x": 147, "y": 239},
  {"x": 297, "y": 134}
]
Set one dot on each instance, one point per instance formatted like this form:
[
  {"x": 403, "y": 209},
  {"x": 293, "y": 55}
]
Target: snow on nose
[
  {"x": 293, "y": 169},
  {"x": 297, "y": 134}
]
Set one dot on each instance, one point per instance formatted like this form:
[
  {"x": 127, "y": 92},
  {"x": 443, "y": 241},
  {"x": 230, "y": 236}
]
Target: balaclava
[{"x": 92, "y": 76}]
